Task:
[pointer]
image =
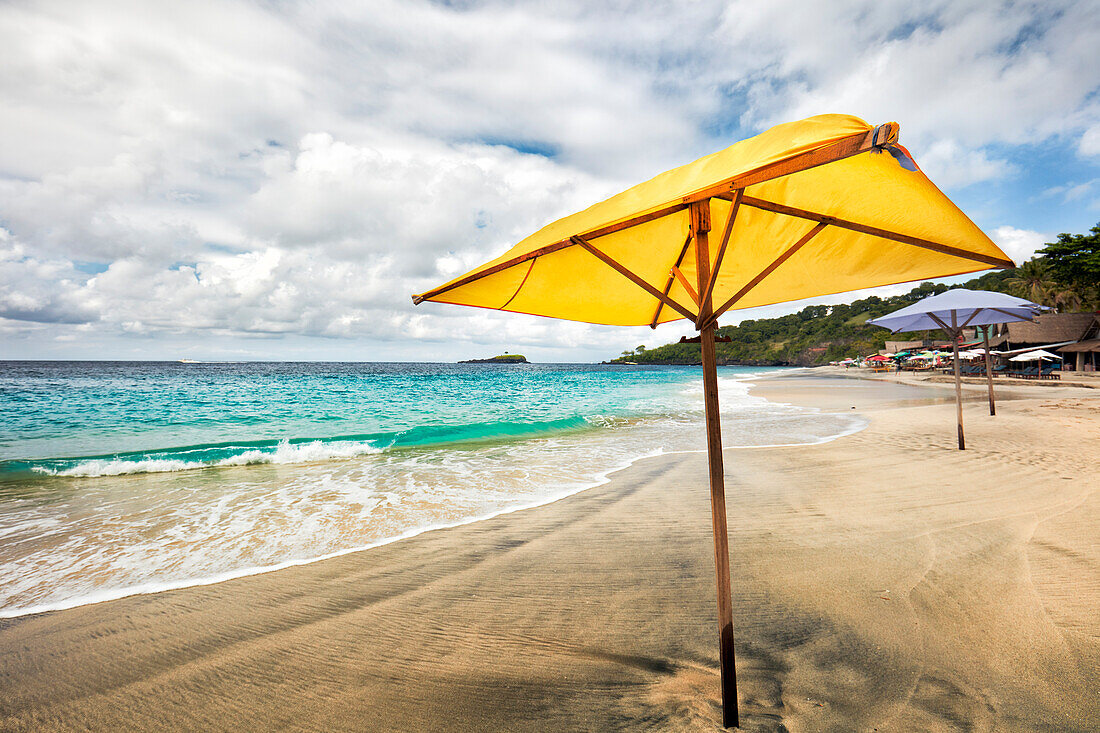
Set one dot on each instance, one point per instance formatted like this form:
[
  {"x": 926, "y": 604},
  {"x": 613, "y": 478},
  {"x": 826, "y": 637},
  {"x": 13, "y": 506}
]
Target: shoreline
[
  {"x": 154, "y": 587},
  {"x": 859, "y": 602},
  {"x": 172, "y": 585}
]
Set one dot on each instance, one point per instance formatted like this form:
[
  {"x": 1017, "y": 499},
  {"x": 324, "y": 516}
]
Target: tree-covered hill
[{"x": 818, "y": 334}]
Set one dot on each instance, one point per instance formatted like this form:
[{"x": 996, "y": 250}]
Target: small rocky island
[{"x": 504, "y": 358}]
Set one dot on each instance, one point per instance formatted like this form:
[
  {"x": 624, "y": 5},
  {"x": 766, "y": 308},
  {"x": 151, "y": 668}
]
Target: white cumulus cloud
[
  {"x": 1019, "y": 244},
  {"x": 263, "y": 173}
]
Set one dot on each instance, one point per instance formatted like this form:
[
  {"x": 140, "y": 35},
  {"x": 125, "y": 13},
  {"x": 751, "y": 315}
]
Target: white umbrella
[
  {"x": 953, "y": 311},
  {"x": 1036, "y": 355}
]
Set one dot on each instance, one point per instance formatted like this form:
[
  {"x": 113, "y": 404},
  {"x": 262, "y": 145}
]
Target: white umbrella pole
[
  {"x": 989, "y": 370},
  {"x": 958, "y": 380}
]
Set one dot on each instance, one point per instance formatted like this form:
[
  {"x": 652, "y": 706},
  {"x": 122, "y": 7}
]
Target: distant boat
[{"x": 189, "y": 361}]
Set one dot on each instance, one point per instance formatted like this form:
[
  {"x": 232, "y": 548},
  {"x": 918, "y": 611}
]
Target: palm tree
[
  {"x": 1032, "y": 279},
  {"x": 1068, "y": 300}
]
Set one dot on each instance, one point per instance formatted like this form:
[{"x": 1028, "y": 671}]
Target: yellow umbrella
[{"x": 824, "y": 205}]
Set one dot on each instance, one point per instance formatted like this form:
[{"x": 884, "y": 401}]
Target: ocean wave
[
  {"x": 284, "y": 452},
  {"x": 300, "y": 450}
]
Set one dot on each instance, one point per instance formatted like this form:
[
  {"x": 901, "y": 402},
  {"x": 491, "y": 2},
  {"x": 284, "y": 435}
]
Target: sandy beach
[{"x": 883, "y": 581}]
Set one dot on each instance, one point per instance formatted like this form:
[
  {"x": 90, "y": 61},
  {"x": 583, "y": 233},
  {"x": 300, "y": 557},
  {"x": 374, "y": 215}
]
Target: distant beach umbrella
[
  {"x": 953, "y": 311},
  {"x": 824, "y": 205},
  {"x": 1037, "y": 355}
]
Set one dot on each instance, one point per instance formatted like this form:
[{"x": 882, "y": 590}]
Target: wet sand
[{"x": 883, "y": 581}]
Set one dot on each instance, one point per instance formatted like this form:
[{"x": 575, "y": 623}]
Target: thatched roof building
[
  {"x": 1063, "y": 332},
  {"x": 1085, "y": 355},
  {"x": 1046, "y": 330}
]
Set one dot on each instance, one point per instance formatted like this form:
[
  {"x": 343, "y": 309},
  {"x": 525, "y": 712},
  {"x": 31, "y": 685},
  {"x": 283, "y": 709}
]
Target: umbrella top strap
[{"x": 880, "y": 137}]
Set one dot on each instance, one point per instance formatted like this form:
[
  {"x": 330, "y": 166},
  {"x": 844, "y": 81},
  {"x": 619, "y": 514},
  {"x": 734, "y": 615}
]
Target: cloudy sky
[{"x": 271, "y": 180}]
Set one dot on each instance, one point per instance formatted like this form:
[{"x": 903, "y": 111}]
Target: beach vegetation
[
  {"x": 504, "y": 358},
  {"x": 1073, "y": 262},
  {"x": 1032, "y": 280}
]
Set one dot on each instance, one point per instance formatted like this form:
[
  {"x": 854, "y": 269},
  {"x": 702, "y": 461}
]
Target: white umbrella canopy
[
  {"x": 953, "y": 311},
  {"x": 1036, "y": 355}
]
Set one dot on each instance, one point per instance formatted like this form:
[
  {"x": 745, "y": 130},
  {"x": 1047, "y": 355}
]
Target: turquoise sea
[{"x": 127, "y": 477}]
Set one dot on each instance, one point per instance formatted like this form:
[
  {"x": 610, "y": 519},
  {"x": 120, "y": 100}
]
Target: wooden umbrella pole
[
  {"x": 989, "y": 369},
  {"x": 721, "y": 536},
  {"x": 958, "y": 379},
  {"x": 700, "y": 219}
]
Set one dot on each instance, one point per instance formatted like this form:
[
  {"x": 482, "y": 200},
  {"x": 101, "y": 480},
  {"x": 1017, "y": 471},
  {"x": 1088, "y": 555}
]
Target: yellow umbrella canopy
[
  {"x": 824, "y": 205},
  {"x": 800, "y": 228}
]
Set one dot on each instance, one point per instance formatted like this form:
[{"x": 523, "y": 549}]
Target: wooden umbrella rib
[
  {"x": 1007, "y": 313},
  {"x": 632, "y": 222},
  {"x": 547, "y": 249},
  {"x": 622, "y": 270},
  {"x": 418, "y": 299},
  {"x": 876, "y": 232},
  {"x": 943, "y": 326},
  {"x": 671, "y": 279},
  {"x": 768, "y": 270},
  {"x": 971, "y": 318},
  {"x": 687, "y": 285},
  {"x": 722, "y": 247}
]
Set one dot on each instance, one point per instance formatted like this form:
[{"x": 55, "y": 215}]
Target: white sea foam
[
  {"x": 284, "y": 452},
  {"x": 108, "y": 594},
  {"x": 118, "y": 467}
]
